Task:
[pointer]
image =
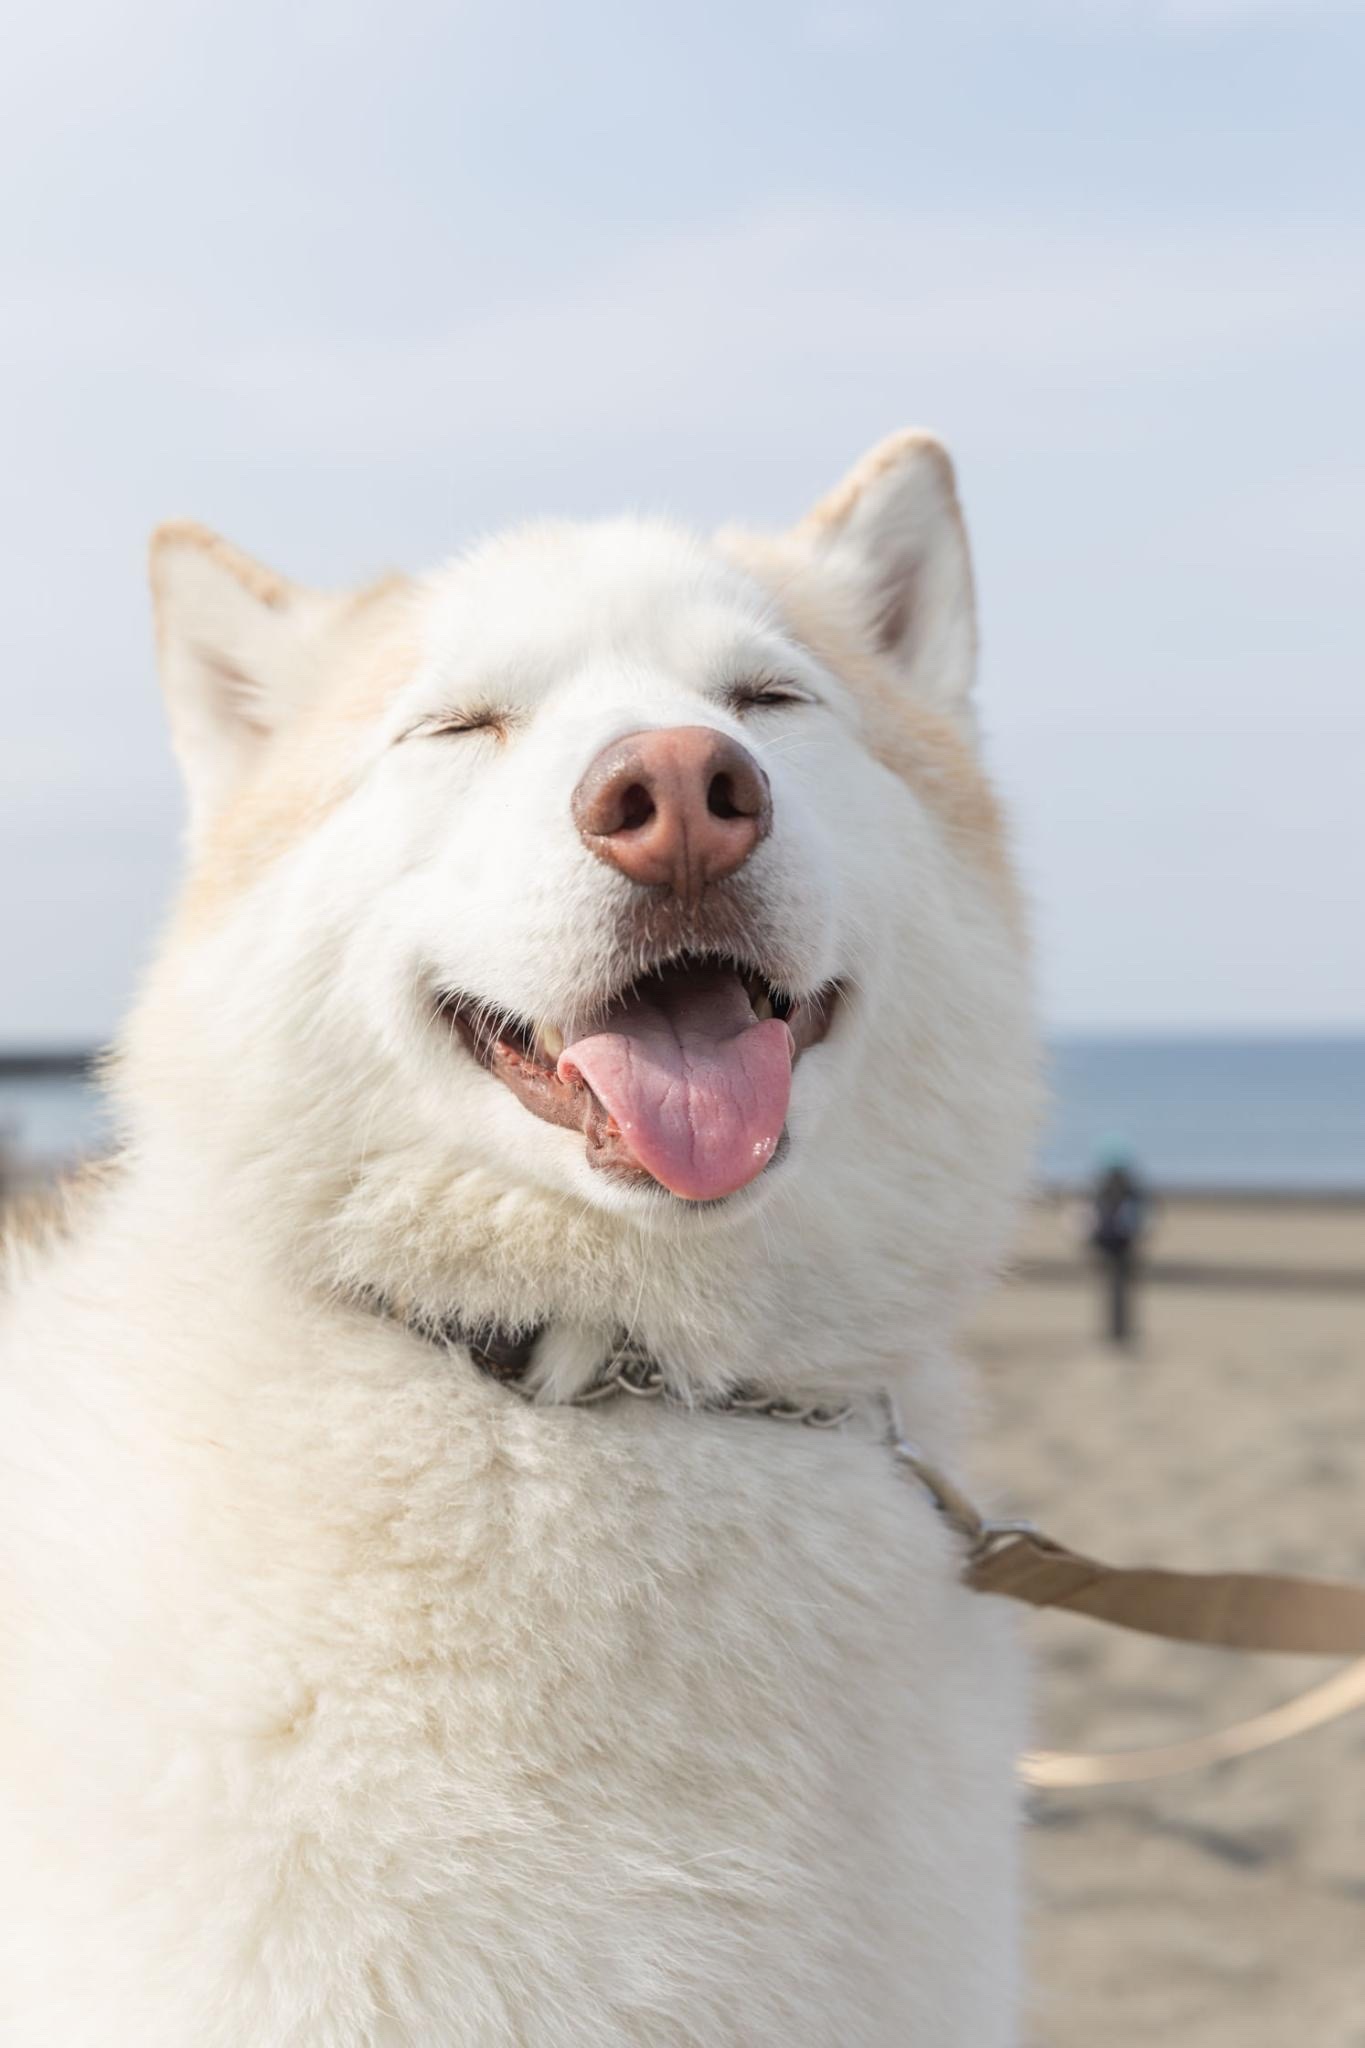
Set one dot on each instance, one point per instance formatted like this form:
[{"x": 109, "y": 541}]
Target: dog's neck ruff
[{"x": 505, "y": 1356}]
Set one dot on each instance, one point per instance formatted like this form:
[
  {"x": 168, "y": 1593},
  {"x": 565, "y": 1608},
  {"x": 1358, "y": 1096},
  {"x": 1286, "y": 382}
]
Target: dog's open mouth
[{"x": 683, "y": 1080}]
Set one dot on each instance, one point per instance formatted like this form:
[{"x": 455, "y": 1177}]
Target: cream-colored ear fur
[
  {"x": 894, "y": 532},
  {"x": 233, "y": 641}
]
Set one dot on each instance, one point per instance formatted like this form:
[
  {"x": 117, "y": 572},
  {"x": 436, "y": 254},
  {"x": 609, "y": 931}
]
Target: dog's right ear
[
  {"x": 893, "y": 530},
  {"x": 233, "y": 642}
]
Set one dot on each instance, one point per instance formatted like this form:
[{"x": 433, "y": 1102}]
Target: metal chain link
[{"x": 634, "y": 1372}]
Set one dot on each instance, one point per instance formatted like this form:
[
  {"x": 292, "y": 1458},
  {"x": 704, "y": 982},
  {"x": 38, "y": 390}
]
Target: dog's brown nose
[{"x": 674, "y": 809}]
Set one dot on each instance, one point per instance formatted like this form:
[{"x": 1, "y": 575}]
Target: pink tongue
[{"x": 697, "y": 1087}]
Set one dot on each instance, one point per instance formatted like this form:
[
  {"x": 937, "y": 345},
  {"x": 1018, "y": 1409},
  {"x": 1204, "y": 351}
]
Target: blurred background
[{"x": 356, "y": 284}]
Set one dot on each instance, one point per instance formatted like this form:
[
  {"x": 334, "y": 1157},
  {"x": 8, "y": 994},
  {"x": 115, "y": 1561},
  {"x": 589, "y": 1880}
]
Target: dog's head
[{"x": 629, "y": 871}]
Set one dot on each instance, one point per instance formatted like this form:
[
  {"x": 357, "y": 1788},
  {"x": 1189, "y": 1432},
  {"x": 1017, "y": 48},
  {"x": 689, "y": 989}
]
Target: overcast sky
[{"x": 357, "y": 282}]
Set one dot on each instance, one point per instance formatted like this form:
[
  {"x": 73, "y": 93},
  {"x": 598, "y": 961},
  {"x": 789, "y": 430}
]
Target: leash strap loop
[{"x": 1051, "y": 1770}]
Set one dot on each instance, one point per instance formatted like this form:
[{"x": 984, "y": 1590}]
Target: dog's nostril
[
  {"x": 675, "y": 807},
  {"x": 637, "y": 807},
  {"x": 720, "y": 798}
]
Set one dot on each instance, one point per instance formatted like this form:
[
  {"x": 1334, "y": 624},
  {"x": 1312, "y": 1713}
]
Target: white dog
[{"x": 605, "y": 941}]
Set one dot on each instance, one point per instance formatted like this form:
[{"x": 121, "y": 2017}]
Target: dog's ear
[
  {"x": 234, "y": 642},
  {"x": 893, "y": 532}
]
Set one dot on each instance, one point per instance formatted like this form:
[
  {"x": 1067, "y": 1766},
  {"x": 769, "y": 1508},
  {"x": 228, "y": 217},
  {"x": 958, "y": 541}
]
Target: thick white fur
[{"x": 347, "y": 1700}]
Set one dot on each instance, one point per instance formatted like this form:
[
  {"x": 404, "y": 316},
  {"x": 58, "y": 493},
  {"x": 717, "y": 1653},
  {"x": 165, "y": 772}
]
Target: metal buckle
[{"x": 994, "y": 1534}]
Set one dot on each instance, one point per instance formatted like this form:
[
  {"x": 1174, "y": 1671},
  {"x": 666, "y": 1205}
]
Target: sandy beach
[{"x": 1226, "y": 1907}]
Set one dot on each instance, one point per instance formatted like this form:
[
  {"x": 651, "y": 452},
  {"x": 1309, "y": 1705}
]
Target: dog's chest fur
[{"x": 464, "y": 1722}]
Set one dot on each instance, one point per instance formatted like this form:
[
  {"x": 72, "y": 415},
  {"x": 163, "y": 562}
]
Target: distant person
[{"x": 1118, "y": 1220}]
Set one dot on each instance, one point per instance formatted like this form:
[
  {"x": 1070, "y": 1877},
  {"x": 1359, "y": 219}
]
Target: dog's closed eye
[
  {"x": 455, "y": 724},
  {"x": 766, "y": 693}
]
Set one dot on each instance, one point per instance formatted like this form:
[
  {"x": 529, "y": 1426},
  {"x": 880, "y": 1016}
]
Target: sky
[{"x": 358, "y": 283}]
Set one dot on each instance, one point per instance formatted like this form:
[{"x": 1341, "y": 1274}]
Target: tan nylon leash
[
  {"x": 1267, "y": 1611},
  {"x": 1298, "y": 1617}
]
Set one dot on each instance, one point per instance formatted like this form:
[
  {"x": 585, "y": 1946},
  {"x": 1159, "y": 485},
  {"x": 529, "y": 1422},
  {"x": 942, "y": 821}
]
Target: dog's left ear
[
  {"x": 238, "y": 649},
  {"x": 893, "y": 532}
]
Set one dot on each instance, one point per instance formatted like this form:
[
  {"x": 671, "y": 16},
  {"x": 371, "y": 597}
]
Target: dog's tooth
[
  {"x": 763, "y": 1007},
  {"x": 551, "y": 1043}
]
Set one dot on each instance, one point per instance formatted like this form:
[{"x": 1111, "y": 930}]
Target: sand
[{"x": 1226, "y": 1907}]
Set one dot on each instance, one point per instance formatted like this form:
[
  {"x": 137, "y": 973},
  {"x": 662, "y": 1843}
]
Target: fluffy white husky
[{"x": 606, "y": 936}]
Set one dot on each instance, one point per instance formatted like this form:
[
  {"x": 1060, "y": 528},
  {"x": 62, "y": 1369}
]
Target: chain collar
[{"x": 629, "y": 1370}]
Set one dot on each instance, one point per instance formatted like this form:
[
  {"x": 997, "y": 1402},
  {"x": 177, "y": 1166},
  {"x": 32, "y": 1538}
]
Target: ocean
[
  {"x": 48, "y": 1119},
  {"x": 1278, "y": 1114},
  {"x": 1272, "y": 1114}
]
